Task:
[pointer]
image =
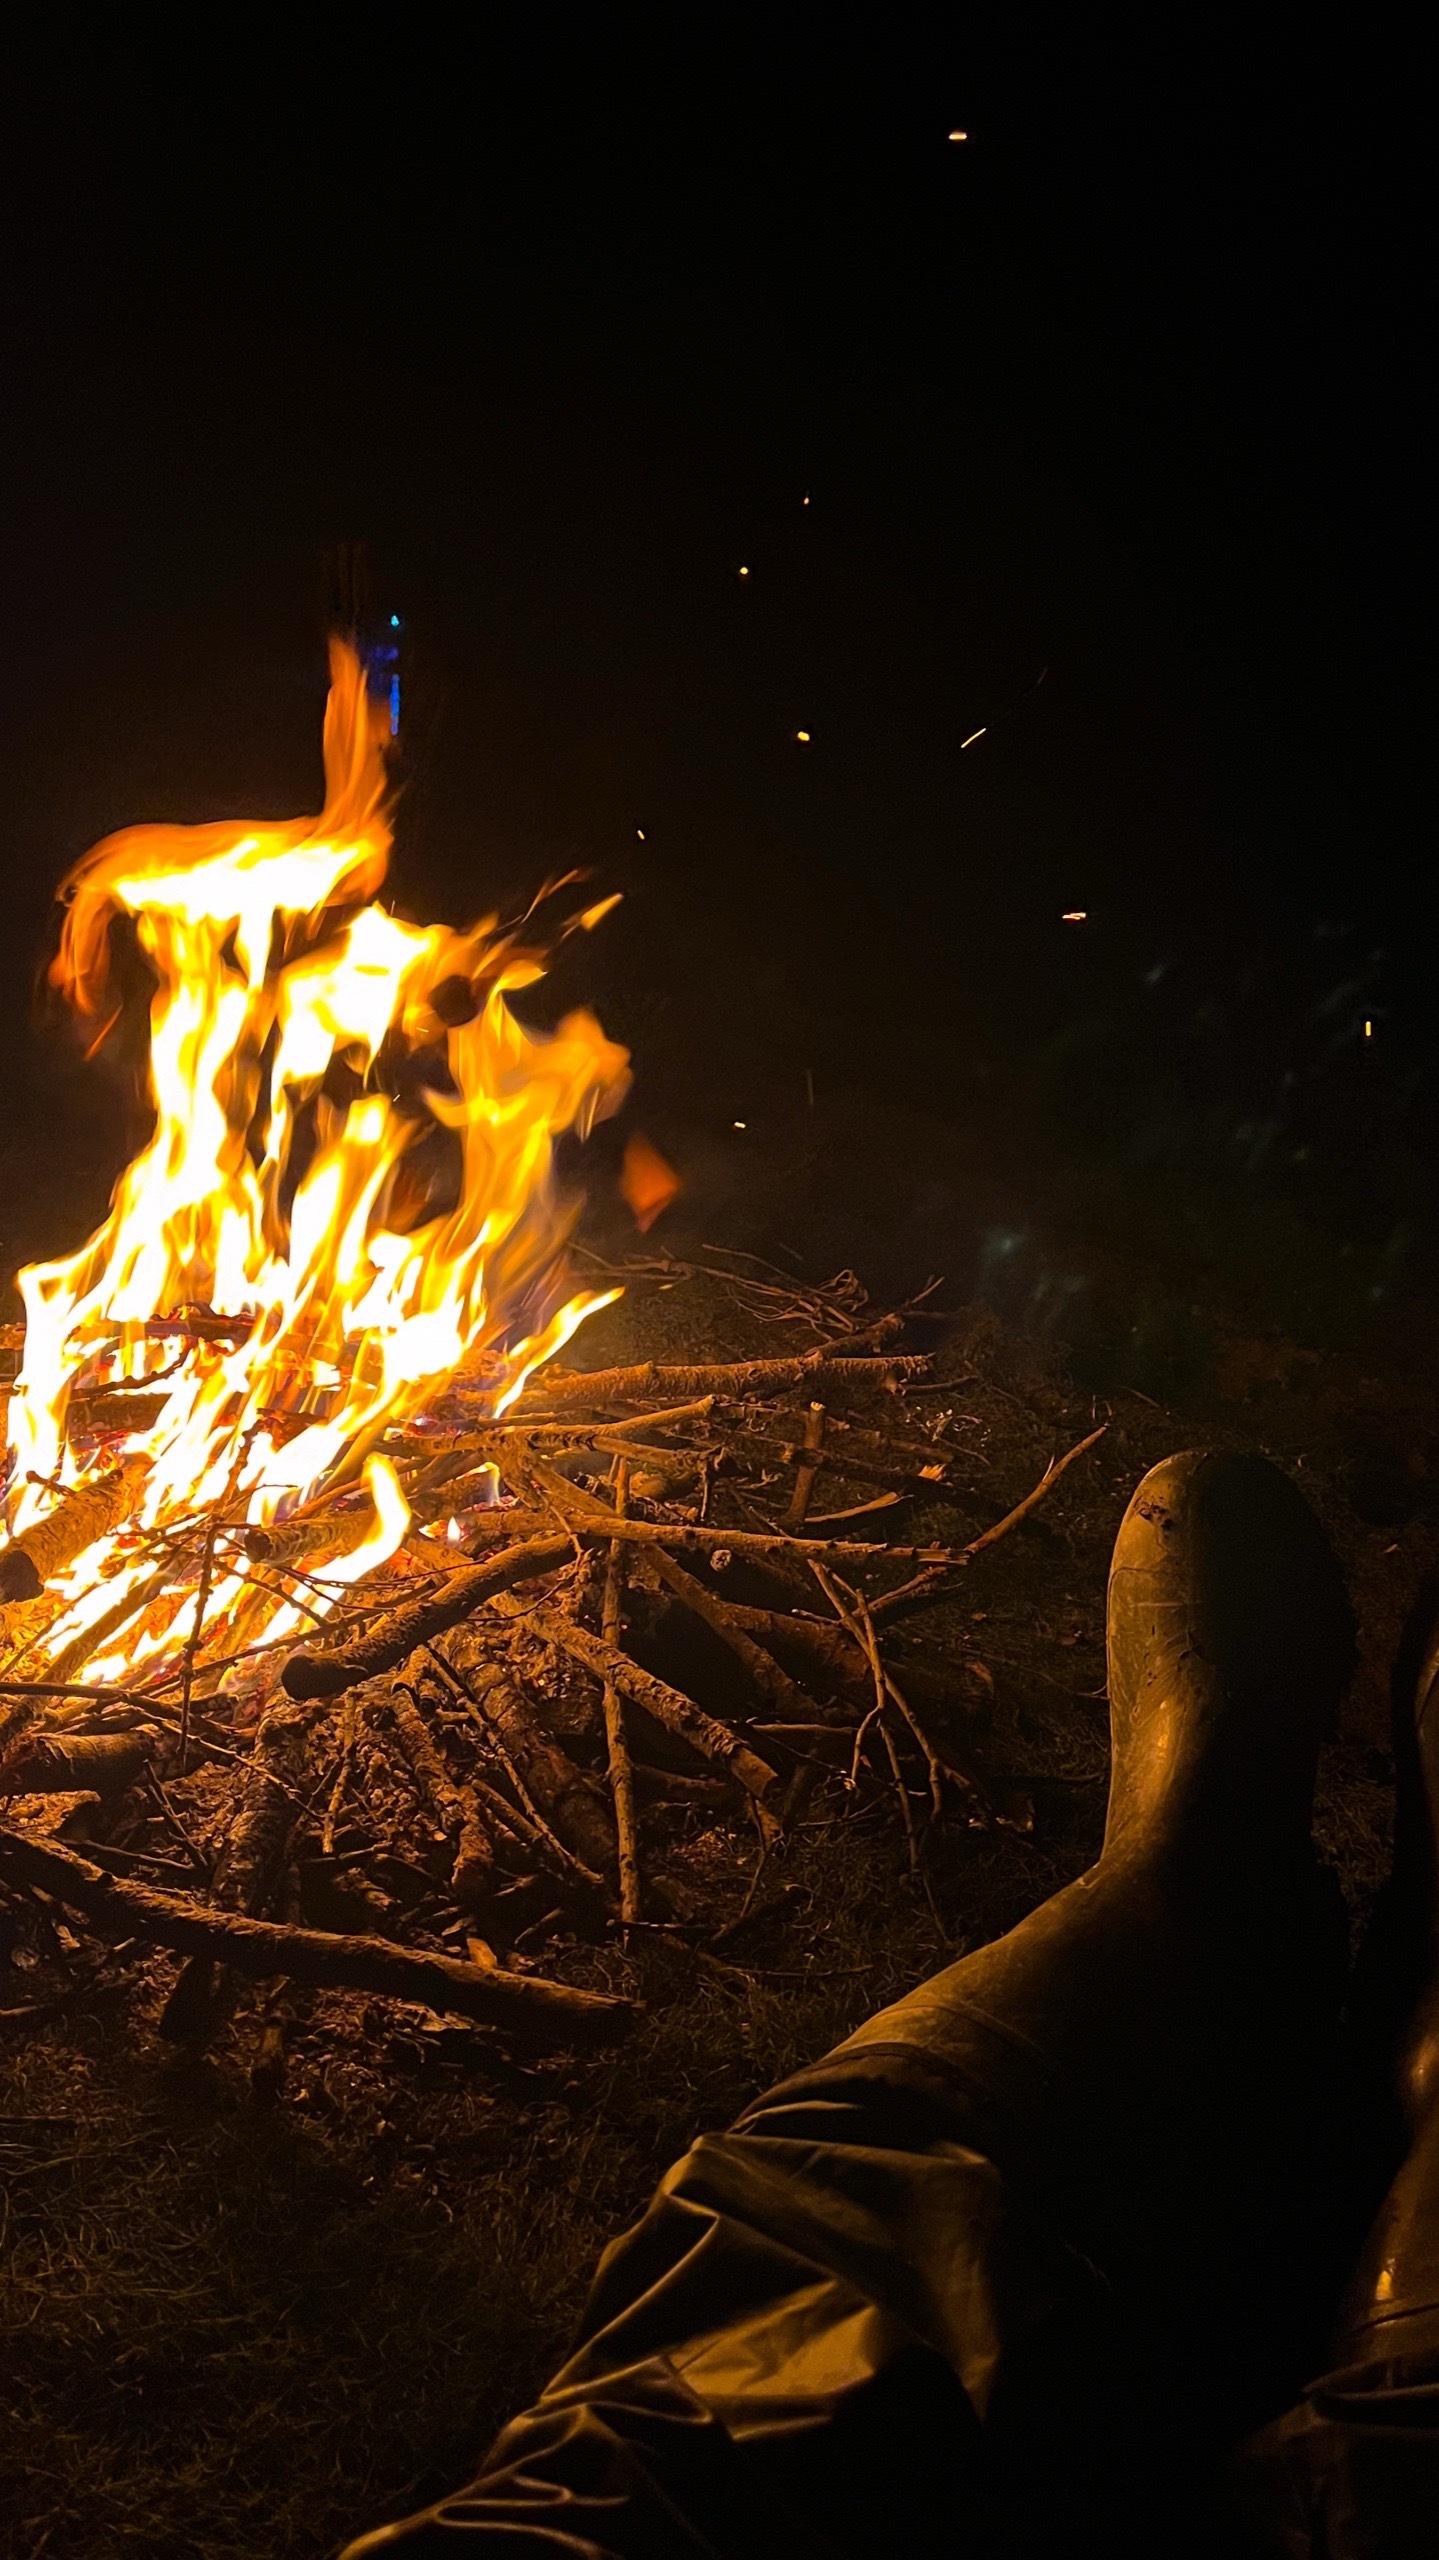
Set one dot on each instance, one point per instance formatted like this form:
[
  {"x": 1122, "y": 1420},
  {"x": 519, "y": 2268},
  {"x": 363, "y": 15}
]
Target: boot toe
[{"x": 1231, "y": 1637}]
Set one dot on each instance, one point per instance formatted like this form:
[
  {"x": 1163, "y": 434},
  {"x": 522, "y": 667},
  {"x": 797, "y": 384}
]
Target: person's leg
[
  {"x": 876, "y": 2314},
  {"x": 1352, "y": 2473}
]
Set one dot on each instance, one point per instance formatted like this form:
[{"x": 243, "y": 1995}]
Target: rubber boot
[
  {"x": 1396, "y": 2281},
  {"x": 868, "y": 2319},
  {"x": 1352, "y": 2471},
  {"x": 1150, "y": 2050}
]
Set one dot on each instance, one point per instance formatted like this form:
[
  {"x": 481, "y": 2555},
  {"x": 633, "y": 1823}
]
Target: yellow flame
[
  {"x": 349, "y": 1188},
  {"x": 392, "y": 1519}
]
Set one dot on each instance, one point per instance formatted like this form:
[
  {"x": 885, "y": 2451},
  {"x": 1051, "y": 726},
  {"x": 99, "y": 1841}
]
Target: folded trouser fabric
[
  {"x": 1352, "y": 2473},
  {"x": 837, "y": 2332},
  {"x": 871, "y": 2319}
]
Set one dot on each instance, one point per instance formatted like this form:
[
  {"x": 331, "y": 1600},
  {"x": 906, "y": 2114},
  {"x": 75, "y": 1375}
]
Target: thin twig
[
  {"x": 807, "y": 1468},
  {"x": 861, "y": 1731},
  {"x": 902, "y": 1791},
  {"x": 923, "y": 1584},
  {"x": 176, "y": 1825},
  {"x": 349, "y": 1736},
  {"x": 622, "y": 1774},
  {"x": 192, "y": 1642},
  {"x": 858, "y": 1624},
  {"x": 932, "y": 1759}
]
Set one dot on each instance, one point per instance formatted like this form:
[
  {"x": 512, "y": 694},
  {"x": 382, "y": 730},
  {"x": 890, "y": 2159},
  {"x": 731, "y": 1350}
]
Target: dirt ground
[{"x": 251, "y": 2306}]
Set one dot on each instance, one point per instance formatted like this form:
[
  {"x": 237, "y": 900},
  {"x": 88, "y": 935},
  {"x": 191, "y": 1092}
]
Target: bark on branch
[
  {"x": 541, "y": 2015},
  {"x": 669, "y": 1707},
  {"x": 725, "y": 1378},
  {"x": 394, "y": 1636}
]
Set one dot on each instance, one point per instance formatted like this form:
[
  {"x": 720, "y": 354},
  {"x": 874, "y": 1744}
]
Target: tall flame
[{"x": 349, "y": 1187}]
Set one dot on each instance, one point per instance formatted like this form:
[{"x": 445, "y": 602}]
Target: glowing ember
[{"x": 347, "y": 1198}]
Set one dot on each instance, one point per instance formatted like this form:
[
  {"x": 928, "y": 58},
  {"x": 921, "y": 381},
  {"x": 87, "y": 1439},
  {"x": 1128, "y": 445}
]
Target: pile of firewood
[{"x": 495, "y": 1723}]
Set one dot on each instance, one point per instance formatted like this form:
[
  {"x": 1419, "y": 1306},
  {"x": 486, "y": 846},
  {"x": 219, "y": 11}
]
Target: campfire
[
  {"x": 347, "y": 1200},
  {"x": 295, "y": 1479}
]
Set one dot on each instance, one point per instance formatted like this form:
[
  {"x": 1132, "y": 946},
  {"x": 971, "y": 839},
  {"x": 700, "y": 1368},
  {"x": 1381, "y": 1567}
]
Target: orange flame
[
  {"x": 350, "y": 1175},
  {"x": 647, "y": 1183}
]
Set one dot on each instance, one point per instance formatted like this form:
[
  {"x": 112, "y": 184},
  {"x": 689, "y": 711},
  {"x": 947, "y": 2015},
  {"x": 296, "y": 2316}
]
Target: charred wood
[{"x": 50, "y": 1763}]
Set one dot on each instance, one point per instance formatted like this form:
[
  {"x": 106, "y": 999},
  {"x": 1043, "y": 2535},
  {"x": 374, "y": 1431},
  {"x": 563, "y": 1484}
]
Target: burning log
[
  {"x": 729, "y": 1378},
  {"x": 394, "y": 1637},
  {"x": 132, "y": 1604},
  {"x": 83, "y": 1514},
  {"x": 112, "y": 1409},
  {"x": 539, "y": 2015}
]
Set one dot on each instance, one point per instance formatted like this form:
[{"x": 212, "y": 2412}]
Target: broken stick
[
  {"x": 772, "y": 1682},
  {"x": 528, "y": 1522},
  {"x": 566, "y": 1802},
  {"x": 811, "y": 1459}
]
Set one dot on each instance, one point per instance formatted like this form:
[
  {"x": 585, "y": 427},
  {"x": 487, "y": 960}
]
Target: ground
[{"x": 250, "y": 2309}]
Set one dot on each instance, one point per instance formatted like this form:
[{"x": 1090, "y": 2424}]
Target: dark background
[{"x": 564, "y": 315}]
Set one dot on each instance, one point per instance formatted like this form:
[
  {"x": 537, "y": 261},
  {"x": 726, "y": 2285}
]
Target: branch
[
  {"x": 726, "y": 1378},
  {"x": 395, "y": 1635},
  {"x": 923, "y": 1584},
  {"x": 669, "y": 1707},
  {"x": 545, "y": 2014}
]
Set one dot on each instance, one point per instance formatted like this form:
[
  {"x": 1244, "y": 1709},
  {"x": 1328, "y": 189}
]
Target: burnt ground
[{"x": 255, "y": 2300}]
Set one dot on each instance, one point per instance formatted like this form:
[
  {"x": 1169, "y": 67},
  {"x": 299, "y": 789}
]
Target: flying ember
[{"x": 345, "y": 1215}]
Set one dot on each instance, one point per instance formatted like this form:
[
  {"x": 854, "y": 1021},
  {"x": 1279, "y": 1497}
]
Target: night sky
[{"x": 565, "y": 319}]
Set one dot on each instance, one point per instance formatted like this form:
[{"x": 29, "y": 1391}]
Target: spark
[
  {"x": 969, "y": 741},
  {"x": 802, "y": 736},
  {"x": 1368, "y": 1030},
  {"x": 1075, "y": 915},
  {"x": 744, "y": 573},
  {"x": 639, "y": 831},
  {"x": 959, "y": 137},
  {"x": 741, "y": 1124}
]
